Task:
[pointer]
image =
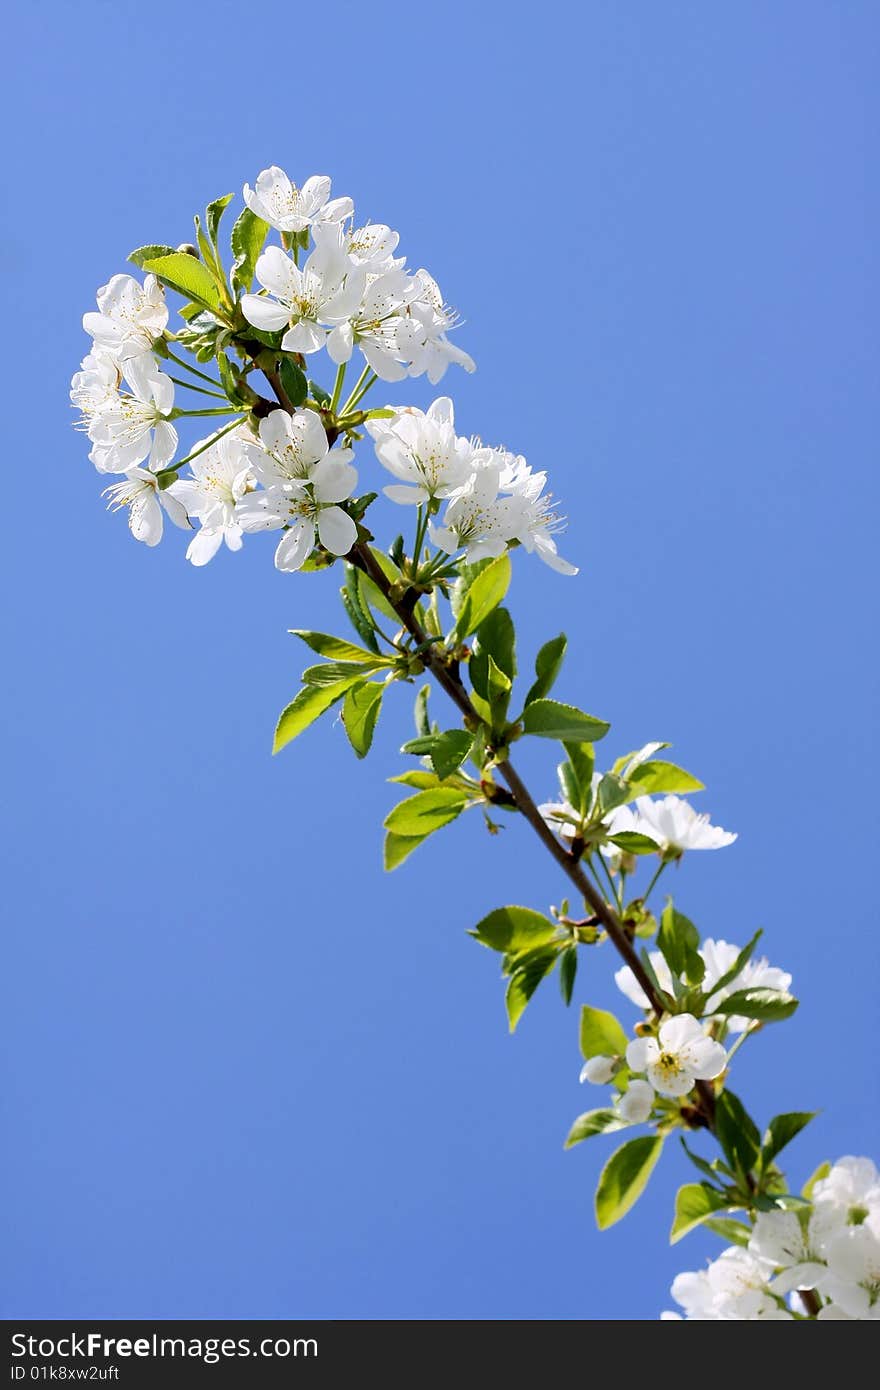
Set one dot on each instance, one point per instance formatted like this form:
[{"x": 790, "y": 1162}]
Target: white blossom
[
  {"x": 718, "y": 957},
  {"x": 130, "y": 316},
  {"x": 141, "y": 494},
  {"x": 852, "y": 1282},
  {"x": 132, "y": 427},
  {"x": 851, "y": 1190},
  {"x": 290, "y": 447},
  {"x": 637, "y": 1102},
  {"x": 429, "y": 351},
  {"x": 94, "y": 387},
  {"x": 290, "y": 209},
  {"x": 477, "y": 518},
  {"x": 375, "y": 325},
  {"x": 599, "y": 1070},
  {"x": 682, "y": 1055},
  {"x": 221, "y": 476},
  {"x": 732, "y": 1289},
  {"x": 675, "y": 826},
  {"x": 305, "y": 301},
  {"x": 782, "y": 1242},
  {"x": 305, "y": 508},
  {"x": 422, "y": 449}
]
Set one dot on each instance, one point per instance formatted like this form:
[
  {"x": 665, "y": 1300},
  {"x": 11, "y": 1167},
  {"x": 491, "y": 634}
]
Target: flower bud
[
  {"x": 186, "y": 248},
  {"x": 599, "y": 1070}
]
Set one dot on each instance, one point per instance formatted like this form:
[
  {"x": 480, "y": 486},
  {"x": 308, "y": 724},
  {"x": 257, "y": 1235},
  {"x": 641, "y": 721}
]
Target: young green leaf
[
  {"x": 578, "y": 776},
  {"x": 360, "y": 711},
  {"x": 737, "y": 1132},
  {"x": 693, "y": 1204},
  {"x": 309, "y": 704},
  {"x": 625, "y": 1177},
  {"x": 399, "y": 847},
  {"x": 766, "y": 1005},
  {"x": 188, "y": 277},
  {"x": 248, "y": 234},
  {"x": 655, "y": 777},
  {"x": 632, "y": 842},
  {"x": 331, "y": 672},
  {"x": 426, "y": 811},
  {"x": 149, "y": 253},
  {"x": 483, "y": 594},
  {"x": 213, "y": 212},
  {"x": 601, "y": 1035},
  {"x": 514, "y": 929},
  {"x": 548, "y": 664},
  {"x": 335, "y": 648},
  {"x": 422, "y": 780},
  {"x": 780, "y": 1132},
  {"x": 593, "y": 1122},
  {"x": 734, "y": 1232},
  {"x": 357, "y": 613},
  {"x": 526, "y": 977},
  {"x": 495, "y": 639},
  {"x": 550, "y": 719},
  {"x": 678, "y": 940},
  {"x": 821, "y": 1172},
  {"x": 568, "y": 964},
  {"x": 296, "y": 386}
]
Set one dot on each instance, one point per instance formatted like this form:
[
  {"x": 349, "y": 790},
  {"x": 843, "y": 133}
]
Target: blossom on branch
[
  {"x": 130, "y": 316},
  {"x": 290, "y": 209},
  {"x": 304, "y": 510},
  {"x": 679, "y": 1057}
]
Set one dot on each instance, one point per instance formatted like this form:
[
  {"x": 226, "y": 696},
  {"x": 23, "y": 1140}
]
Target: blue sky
[{"x": 247, "y": 1074}]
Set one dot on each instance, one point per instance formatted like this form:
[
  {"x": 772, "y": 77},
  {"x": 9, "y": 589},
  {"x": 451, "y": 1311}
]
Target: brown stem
[
  {"x": 446, "y": 675},
  {"x": 811, "y": 1301}
]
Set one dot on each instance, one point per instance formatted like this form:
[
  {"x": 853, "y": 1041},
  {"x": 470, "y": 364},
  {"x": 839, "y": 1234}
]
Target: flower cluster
[
  {"x": 718, "y": 958},
  {"x": 492, "y": 497},
  {"x": 351, "y": 292},
  {"x": 277, "y": 470},
  {"x": 829, "y": 1246},
  {"x": 671, "y": 823},
  {"x": 668, "y": 1065}
]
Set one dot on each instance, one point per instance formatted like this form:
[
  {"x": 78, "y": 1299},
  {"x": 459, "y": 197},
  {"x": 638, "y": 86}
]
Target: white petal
[
  {"x": 265, "y": 314},
  {"x": 204, "y": 546},
  {"x": 337, "y": 530},
  {"x": 294, "y": 546}
]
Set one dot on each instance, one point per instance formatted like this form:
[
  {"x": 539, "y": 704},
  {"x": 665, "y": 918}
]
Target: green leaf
[
  {"x": 525, "y": 980},
  {"x": 780, "y": 1132},
  {"x": 700, "y": 1163},
  {"x": 150, "y": 253},
  {"x": 399, "y": 847},
  {"x": 514, "y": 929},
  {"x": 483, "y": 594},
  {"x": 734, "y": 1232},
  {"x": 579, "y": 775},
  {"x": 625, "y": 1177},
  {"x": 741, "y": 961},
  {"x": 633, "y": 842},
  {"x": 357, "y": 613},
  {"x": 336, "y": 648},
  {"x": 426, "y": 811},
  {"x": 766, "y": 1005},
  {"x": 737, "y": 1132},
  {"x": 294, "y": 381},
  {"x": 611, "y": 792},
  {"x": 331, "y": 672},
  {"x": 548, "y": 664},
  {"x": 568, "y": 964},
  {"x": 550, "y": 719},
  {"x": 593, "y": 1122},
  {"x": 308, "y": 705},
  {"x": 821, "y": 1173},
  {"x": 360, "y": 711},
  {"x": 601, "y": 1035},
  {"x": 213, "y": 213},
  {"x": 447, "y": 751},
  {"x": 248, "y": 234},
  {"x": 188, "y": 276},
  {"x": 659, "y": 776},
  {"x": 693, "y": 1204},
  {"x": 421, "y": 780},
  {"x": 678, "y": 940},
  {"x": 495, "y": 640}
]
